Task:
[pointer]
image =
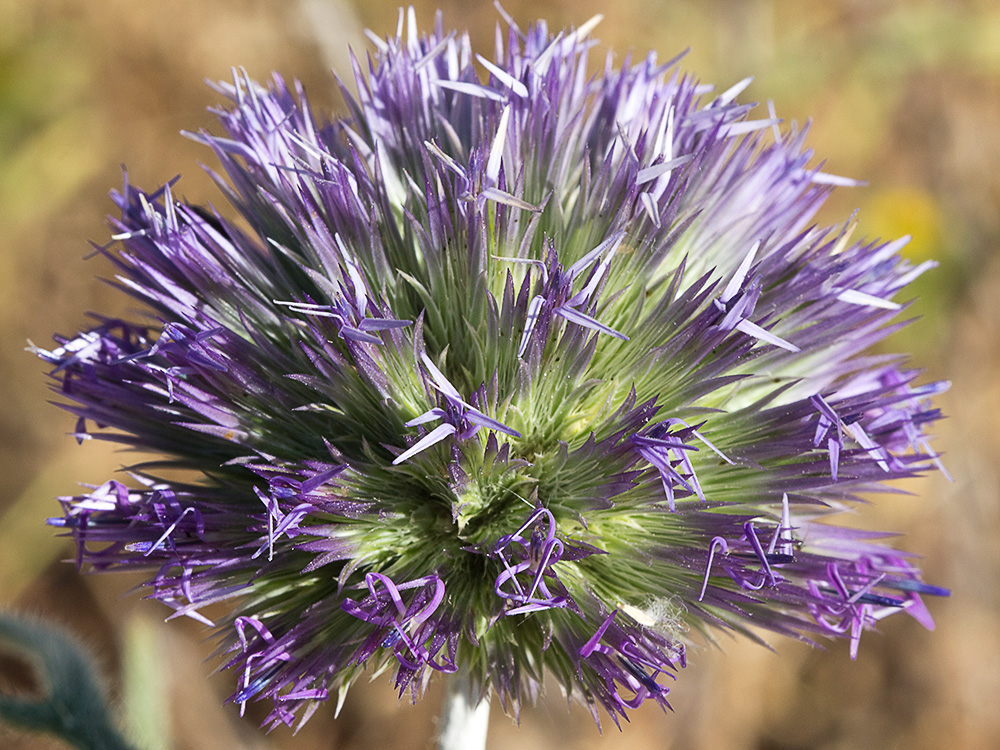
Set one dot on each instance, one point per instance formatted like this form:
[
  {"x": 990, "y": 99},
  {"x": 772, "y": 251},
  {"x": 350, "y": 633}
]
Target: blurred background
[{"x": 903, "y": 93}]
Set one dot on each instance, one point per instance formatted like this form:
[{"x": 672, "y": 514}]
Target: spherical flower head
[{"x": 513, "y": 370}]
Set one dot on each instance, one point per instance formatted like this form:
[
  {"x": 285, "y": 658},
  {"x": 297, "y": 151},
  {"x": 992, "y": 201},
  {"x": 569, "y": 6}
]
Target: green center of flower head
[{"x": 534, "y": 372}]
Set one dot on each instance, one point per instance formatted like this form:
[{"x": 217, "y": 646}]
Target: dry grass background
[{"x": 904, "y": 93}]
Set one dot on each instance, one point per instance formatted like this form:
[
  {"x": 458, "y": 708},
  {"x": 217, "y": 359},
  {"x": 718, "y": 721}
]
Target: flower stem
[{"x": 465, "y": 717}]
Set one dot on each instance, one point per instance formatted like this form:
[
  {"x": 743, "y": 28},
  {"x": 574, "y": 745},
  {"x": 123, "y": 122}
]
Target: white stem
[{"x": 463, "y": 721}]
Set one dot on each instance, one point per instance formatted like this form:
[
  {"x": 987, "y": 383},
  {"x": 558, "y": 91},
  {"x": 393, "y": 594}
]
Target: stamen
[
  {"x": 717, "y": 543},
  {"x": 768, "y": 576}
]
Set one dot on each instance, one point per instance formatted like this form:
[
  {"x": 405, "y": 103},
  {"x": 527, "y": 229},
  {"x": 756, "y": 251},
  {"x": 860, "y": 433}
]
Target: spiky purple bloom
[{"x": 546, "y": 373}]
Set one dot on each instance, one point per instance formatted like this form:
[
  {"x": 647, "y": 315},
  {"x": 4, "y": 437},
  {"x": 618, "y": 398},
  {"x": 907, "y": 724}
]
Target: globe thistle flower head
[{"x": 513, "y": 370}]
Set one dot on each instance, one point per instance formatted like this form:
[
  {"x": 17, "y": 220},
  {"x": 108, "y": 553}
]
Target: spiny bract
[{"x": 542, "y": 374}]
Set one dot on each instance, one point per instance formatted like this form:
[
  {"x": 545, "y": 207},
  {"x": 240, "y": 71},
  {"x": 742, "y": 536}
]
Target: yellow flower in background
[{"x": 906, "y": 209}]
